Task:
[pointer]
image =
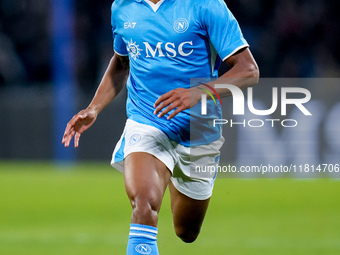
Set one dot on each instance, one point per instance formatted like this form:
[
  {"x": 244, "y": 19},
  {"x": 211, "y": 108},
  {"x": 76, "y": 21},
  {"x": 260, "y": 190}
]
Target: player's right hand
[{"x": 77, "y": 125}]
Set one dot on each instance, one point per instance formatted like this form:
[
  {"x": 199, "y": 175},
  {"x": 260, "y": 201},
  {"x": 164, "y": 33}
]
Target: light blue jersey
[{"x": 169, "y": 43}]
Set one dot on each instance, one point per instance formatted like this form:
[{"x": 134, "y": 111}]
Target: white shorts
[{"x": 182, "y": 161}]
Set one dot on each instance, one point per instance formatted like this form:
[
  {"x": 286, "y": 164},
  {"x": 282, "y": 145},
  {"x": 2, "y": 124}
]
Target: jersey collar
[{"x": 156, "y": 6}]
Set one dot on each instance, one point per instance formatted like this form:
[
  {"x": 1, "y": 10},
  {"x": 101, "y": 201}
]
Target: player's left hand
[{"x": 178, "y": 99}]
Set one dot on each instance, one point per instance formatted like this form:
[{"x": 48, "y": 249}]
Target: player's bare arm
[
  {"x": 112, "y": 83},
  {"x": 244, "y": 72}
]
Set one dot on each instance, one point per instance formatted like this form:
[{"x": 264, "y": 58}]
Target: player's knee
[
  {"x": 145, "y": 209},
  {"x": 187, "y": 235}
]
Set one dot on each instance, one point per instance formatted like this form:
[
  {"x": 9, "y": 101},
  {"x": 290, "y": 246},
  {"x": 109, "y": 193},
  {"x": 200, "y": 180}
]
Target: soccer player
[{"x": 159, "y": 45}]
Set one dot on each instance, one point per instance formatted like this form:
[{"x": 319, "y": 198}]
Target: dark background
[{"x": 290, "y": 38}]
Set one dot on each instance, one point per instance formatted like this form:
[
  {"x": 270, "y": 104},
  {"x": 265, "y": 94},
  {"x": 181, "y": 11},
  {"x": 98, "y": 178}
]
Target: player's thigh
[
  {"x": 188, "y": 214},
  {"x": 146, "y": 179},
  {"x": 190, "y": 191}
]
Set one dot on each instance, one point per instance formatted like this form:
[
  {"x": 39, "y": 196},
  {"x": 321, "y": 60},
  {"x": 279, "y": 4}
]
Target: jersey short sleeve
[
  {"x": 119, "y": 44},
  {"x": 223, "y": 29}
]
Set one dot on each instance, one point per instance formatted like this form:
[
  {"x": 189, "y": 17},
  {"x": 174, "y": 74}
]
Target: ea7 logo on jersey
[{"x": 128, "y": 25}]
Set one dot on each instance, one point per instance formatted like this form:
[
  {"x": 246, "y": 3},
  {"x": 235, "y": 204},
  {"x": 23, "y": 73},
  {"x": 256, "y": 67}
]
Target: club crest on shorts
[
  {"x": 134, "y": 139},
  {"x": 143, "y": 249}
]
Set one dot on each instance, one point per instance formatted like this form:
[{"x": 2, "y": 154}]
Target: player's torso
[
  {"x": 169, "y": 41},
  {"x": 166, "y": 47}
]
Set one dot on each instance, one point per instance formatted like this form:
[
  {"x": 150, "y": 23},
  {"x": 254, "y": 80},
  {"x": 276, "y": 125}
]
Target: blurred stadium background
[{"x": 65, "y": 201}]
